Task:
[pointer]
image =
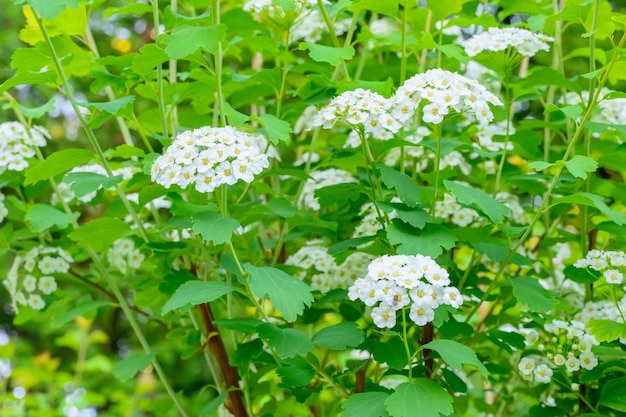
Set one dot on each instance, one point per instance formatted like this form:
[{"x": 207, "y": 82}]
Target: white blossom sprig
[
  {"x": 17, "y": 145},
  {"x": 495, "y": 39}
]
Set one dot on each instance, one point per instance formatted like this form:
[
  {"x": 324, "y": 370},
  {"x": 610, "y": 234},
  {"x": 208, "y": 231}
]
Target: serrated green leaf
[
  {"x": 277, "y": 130},
  {"x": 340, "y": 336},
  {"x": 479, "y": 200},
  {"x": 56, "y": 164},
  {"x": 540, "y": 165},
  {"x": 580, "y": 165},
  {"x": 593, "y": 200},
  {"x": 416, "y": 217},
  {"x": 67, "y": 316},
  {"x": 132, "y": 8},
  {"x": 184, "y": 40},
  {"x": 612, "y": 394},
  {"x": 235, "y": 118},
  {"x": 129, "y": 367},
  {"x": 455, "y": 354},
  {"x": 296, "y": 372},
  {"x": 196, "y": 292},
  {"x": 288, "y": 294},
  {"x": 334, "y": 56},
  {"x": 529, "y": 292},
  {"x": 100, "y": 233},
  {"x": 36, "y": 112},
  {"x": 386, "y": 7},
  {"x": 126, "y": 152},
  {"x": 29, "y": 78},
  {"x": 49, "y": 9},
  {"x": 83, "y": 183},
  {"x": 286, "y": 342},
  {"x": 407, "y": 189},
  {"x": 151, "y": 192},
  {"x": 606, "y": 330},
  {"x": 572, "y": 111},
  {"x": 148, "y": 58},
  {"x": 366, "y": 404},
  {"x": 430, "y": 241},
  {"x": 419, "y": 398},
  {"x": 113, "y": 107},
  {"x": 41, "y": 217},
  {"x": 213, "y": 227}
]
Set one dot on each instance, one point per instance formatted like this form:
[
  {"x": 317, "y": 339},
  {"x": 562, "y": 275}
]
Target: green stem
[
  {"x": 333, "y": 36},
  {"x": 173, "y": 76},
  {"x": 90, "y": 134},
  {"x": 215, "y": 14},
  {"x": 159, "y": 68},
  {"x": 403, "y": 57},
  {"x": 405, "y": 341},
  {"x": 621, "y": 313},
  {"x": 438, "y": 132},
  {"x": 507, "y": 134}
]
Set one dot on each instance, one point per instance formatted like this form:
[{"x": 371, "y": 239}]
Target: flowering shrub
[{"x": 312, "y": 208}]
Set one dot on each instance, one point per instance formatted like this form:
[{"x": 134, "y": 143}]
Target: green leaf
[
  {"x": 288, "y": 294},
  {"x": 606, "y": 330},
  {"x": 340, "y": 336},
  {"x": 128, "y": 368},
  {"x": 196, "y": 292},
  {"x": 56, "y": 164},
  {"x": 29, "y": 78},
  {"x": 479, "y": 200},
  {"x": 247, "y": 325},
  {"x": 49, "y": 9},
  {"x": 67, "y": 316},
  {"x": 581, "y": 275},
  {"x": 151, "y": 192},
  {"x": 113, "y": 107},
  {"x": 149, "y": 57},
  {"x": 529, "y": 292},
  {"x": 540, "y": 165},
  {"x": 41, "y": 217},
  {"x": 100, "y": 233},
  {"x": 612, "y": 394},
  {"x": 366, "y": 404},
  {"x": 277, "y": 130},
  {"x": 572, "y": 111},
  {"x": 580, "y": 165},
  {"x": 184, "y": 40},
  {"x": 416, "y": 217},
  {"x": 126, "y": 152},
  {"x": 37, "y": 112},
  {"x": 334, "y": 56},
  {"x": 235, "y": 118},
  {"x": 419, "y": 398},
  {"x": 593, "y": 200},
  {"x": 83, "y": 183},
  {"x": 210, "y": 409},
  {"x": 430, "y": 241},
  {"x": 407, "y": 189},
  {"x": 212, "y": 226},
  {"x": 456, "y": 354},
  {"x": 296, "y": 372},
  {"x": 386, "y": 7},
  {"x": 287, "y": 342}
]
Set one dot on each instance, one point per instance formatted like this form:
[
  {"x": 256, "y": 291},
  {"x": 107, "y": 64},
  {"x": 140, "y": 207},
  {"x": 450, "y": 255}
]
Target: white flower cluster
[
  {"x": 370, "y": 225},
  {"x": 123, "y": 255},
  {"x": 209, "y": 157},
  {"x": 321, "y": 179},
  {"x": 517, "y": 214},
  {"x": 526, "y": 43},
  {"x": 359, "y": 108},
  {"x": 395, "y": 282},
  {"x": 610, "y": 111},
  {"x": 281, "y": 10},
  {"x": 68, "y": 195},
  {"x": 323, "y": 271},
  {"x": 483, "y": 75},
  {"x": 562, "y": 344},
  {"x": 3, "y": 208},
  {"x": 449, "y": 209},
  {"x": 17, "y": 145},
  {"x": 445, "y": 91},
  {"x": 383, "y": 26},
  {"x": 486, "y": 133},
  {"x": 603, "y": 310},
  {"x": 32, "y": 276},
  {"x": 311, "y": 26},
  {"x": 610, "y": 263}
]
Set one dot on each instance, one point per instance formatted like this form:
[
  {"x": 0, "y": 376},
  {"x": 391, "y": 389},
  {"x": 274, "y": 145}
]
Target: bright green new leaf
[
  {"x": 455, "y": 354},
  {"x": 100, "y": 233},
  {"x": 29, "y": 60},
  {"x": 612, "y": 394},
  {"x": 56, "y": 164},
  {"x": 366, "y": 404},
  {"x": 83, "y": 183},
  {"x": 386, "y": 7},
  {"x": 49, "y": 9},
  {"x": 572, "y": 111},
  {"x": 126, "y": 152},
  {"x": 478, "y": 199},
  {"x": 36, "y": 112},
  {"x": 580, "y": 165},
  {"x": 71, "y": 21},
  {"x": 419, "y": 398},
  {"x": 212, "y": 226},
  {"x": 184, "y": 40},
  {"x": 277, "y": 130},
  {"x": 407, "y": 189},
  {"x": 128, "y": 368},
  {"x": 196, "y": 292},
  {"x": 148, "y": 58},
  {"x": 296, "y": 372},
  {"x": 430, "y": 241},
  {"x": 529, "y": 292},
  {"x": 235, "y": 118},
  {"x": 132, "y": 8},
  {"x": 340, "y": 336},
  {"x": 151, "y": 192},
  {"x": 334, "y": 56},
  {"x": 593, "y": 200},
  {"x": 288, "y": 294},
  {"x": 67, "y": 316},
  {"x": 606, "y": 330},
  {"x": 287, "y": 342},
  {"x": 113, "y": 107},
  {"x": 31, "y": 78},
  {"x": 41, "y": 217},
  {"x": 540, "y": 165}
]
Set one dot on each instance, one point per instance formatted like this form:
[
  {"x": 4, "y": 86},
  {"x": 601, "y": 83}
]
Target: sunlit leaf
[
  {"x": 184, "y": 40},
  {"x": 455, "y": 354},
  {"x": 366, "y": 404},
  {"x": 41, "y": 217},
  {"x": 529, "y": 292},
  {"x": 196, "y": 292}
]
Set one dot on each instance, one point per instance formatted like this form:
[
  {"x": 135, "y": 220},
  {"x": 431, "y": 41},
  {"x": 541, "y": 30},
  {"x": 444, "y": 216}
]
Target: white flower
[
  {"x": 559, "y": 360},
  {"x": 47, "y": 285},
  {"x": 29, "y": 283},
  {"x": 452, "y": 296},
  {"x": 588, "y": 360},
  {"x": 572, "y": 363},
  {"x": 613, "y": 276},
  {"x": 422, "y": 313},
  {"x": 36, "y": 302},
  {"x": 384, "y": 316},
  {"x": 495, "y": 39},
  {"x": 543, "y": 373},
  {"x": 3, "y": 208},
  {"x": 17, "y": 145},
  {"x": 526, "y": 365},
  {"x": 321, "y": 179}
]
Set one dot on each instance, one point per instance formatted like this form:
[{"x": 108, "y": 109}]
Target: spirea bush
[{"x": 312, "y": 208}]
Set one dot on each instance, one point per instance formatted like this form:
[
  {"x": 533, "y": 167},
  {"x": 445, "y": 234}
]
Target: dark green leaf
[
  {"x": 128, "y": 368},
  {"x": 479, "y": 200},
  {"x": 419, "y": 398},
  {"x": 100, "y": 233},
  {"x": 286, "y": 342},
  {"x": 67, "y": 316},
  {"x": 196, "y": 292},
  {"x": 366, "y": 404},
  {"x": 113, "y": 107},
  {"x": 340, "y": 336},
  {"x": 529, "y": 292},
  {"x": 213, "y": 227},
  {"x": 407, "y": 189},
  {"x": 593, "y": 200},
  {"x": 56, "y": 164},
  {"x": 41, "y": 217},
  {"x": 612, "y": 394},
  {"x": 296, "y": 372},
  {"x": 430, "y": 241},
  {"x": 456, "y": 354},
  {"x": 247, "y": 325},
  {"x": 83, "y": 183}
]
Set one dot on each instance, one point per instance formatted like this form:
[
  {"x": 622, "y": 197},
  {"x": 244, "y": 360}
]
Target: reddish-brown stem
[
  {"x": 234, "y": 402},
  {"x": 360, "y": 380},
  {"x": 428, "y": 333}
]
